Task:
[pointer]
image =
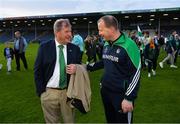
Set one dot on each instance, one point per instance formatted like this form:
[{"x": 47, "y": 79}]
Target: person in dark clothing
[
  {"x": 177, "y": 40},
  {"x": 134, "y": 38},
  {"x": 94, "y": 43},
  {"x": 161, "y": 41},
  {"x": 90, "y": 49},
  {"x": 20, "y": 46},
  {"x": 158, "y": 46},
  {"x": 171, "y": 49},
  {"x": 151, "y": 53},
  {"x": 99, "y": 47},
  {"x": 9, "y": 55},
  {"x": 122, "y": 65},
  {"x": 172, "y": 37},
  {"x": 55, "y": 63},
  {"x": 144, "y": 42}
]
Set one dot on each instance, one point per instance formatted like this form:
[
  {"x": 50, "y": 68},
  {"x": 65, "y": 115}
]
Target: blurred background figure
[
  {"x": 151, "y": 53},
  {"x": 9, "y": 55},
  {"x": 177, "y": 40},
  {"x": 171, "y": 50},
  {"x": 78, "y": 41},
  {"x": 20, "y": 46},
  {"x": 99, "y": 46},
  {"x": 90, "y": 46},
  {"x": 144, "y": 41},
  {"x": 135, "y": 38}
]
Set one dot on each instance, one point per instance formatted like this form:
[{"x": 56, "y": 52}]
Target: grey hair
[{"x": 60, "y": 23}]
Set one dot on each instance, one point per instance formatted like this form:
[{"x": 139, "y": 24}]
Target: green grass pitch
[{"x": 158, "y": 99}]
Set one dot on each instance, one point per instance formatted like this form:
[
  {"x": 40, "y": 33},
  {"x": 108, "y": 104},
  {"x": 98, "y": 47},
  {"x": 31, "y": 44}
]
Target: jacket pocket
[{"x": 44, "y": 96}]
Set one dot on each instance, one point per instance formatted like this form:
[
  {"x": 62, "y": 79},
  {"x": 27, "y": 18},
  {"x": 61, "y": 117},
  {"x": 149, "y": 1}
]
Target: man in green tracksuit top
[{"x": 121, "y": 63}]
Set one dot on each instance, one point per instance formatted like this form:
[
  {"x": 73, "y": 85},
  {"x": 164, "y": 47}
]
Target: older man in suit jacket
[{"x": 54, "y": 64}]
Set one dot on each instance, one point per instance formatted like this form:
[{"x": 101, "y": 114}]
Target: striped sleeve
[{"x": 133, "y": 84}]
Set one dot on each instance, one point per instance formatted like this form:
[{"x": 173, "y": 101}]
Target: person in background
[
  {"x": 157, "y": 45},
  {"x": 177, "y": 40},
  {"x": 90, "y": 49},
  {"x": 161, "y": 41},
  {"x": 144, "y": 42},
  {"x": 99, "y": 46},
  {"x": 78, "y": 41},
  {"x": 134, "y": 38},
  {"x": 172, "y": 36},
  {"x": 94, "y": 44},
  {"x": 171, "y": 51},
  {"x": 20, "y": 46},
  {"x": 146, "y": 38},
  {"x": 9, "y": 55},
  {"x": 151, "y": 53},
  {"x": 156, "y": 38}
]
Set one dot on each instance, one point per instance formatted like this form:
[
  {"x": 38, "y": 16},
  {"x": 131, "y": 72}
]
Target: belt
[{"x": 56, "y": 88}]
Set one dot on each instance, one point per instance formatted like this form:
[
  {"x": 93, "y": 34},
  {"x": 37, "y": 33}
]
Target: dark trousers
[
  {"x": 21, "y": 56},
  {"x": 112, "y": 106},
  {"x": 176, "y": 56},
  {"x": 152, "y": 64},
  {"x": 142, "y": 60}
]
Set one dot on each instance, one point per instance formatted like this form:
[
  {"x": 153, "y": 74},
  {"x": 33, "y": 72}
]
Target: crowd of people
[
  {"x": 92, "y": 46},
  {"x": 149, "y": 46}
]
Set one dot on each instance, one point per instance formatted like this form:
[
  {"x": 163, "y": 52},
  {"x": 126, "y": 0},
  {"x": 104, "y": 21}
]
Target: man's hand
[
  {"x": 127, "y": 106},
  {"x": 71, "y": 69}
]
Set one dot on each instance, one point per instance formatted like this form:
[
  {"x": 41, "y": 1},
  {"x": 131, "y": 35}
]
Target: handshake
[{"x": 71, "y": 68}]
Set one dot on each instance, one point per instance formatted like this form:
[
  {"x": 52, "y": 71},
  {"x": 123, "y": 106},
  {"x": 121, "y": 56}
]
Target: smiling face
[
  {"x": 104, "y": 31},
  {"x": 62, "y": 31},
  {"x": 64, "y": 35}
]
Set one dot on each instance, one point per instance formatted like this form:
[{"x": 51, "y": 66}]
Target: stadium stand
[{"x": 40, "y": 28}]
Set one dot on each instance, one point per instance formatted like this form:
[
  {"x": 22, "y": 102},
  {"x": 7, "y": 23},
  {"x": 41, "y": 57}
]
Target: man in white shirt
[{"x": 54, "y": 64}]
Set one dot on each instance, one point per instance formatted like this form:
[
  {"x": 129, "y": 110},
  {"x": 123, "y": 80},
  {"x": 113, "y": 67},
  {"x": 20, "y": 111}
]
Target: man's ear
[{"x": 111, "y": 30}]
